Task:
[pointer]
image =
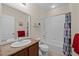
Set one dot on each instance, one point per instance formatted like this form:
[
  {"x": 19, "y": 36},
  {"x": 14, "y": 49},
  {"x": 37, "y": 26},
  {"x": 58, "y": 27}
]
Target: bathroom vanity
[{"x": 30, "y": 49}]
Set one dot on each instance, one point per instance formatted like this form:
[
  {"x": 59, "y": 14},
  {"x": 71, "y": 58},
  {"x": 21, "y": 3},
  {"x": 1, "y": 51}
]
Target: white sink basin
[{"x": 20, "y": 43}]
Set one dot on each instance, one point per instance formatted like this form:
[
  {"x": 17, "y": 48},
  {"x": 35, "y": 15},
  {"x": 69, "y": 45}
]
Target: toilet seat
[{"x": 43, "y": 47}]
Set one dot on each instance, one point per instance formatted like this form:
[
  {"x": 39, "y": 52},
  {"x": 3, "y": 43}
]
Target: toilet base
[{"x": 42, "y": 53}]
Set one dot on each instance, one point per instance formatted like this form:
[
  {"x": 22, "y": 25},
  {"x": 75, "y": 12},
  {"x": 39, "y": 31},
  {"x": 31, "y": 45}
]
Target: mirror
[{"x": 9, "y": 27}]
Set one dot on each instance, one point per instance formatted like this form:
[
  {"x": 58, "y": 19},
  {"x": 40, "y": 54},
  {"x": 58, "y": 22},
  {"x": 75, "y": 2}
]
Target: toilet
[{"x": 43, "y": 48}]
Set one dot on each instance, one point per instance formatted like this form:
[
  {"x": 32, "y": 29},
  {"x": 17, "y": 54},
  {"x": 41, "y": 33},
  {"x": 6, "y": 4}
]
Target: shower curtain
[{"x": 67, "y": 35}]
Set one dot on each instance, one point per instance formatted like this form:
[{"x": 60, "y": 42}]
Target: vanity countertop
[{"x": 6, "y": 50}]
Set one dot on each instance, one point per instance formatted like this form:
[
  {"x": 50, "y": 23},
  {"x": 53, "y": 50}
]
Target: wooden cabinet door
[
  {"x": 23, "y": 52},
  {"x": 33, "y": 50}
]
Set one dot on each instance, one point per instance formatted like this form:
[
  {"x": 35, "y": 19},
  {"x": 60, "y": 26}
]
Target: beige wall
[
  {"x": 36, "y": 14},
  {"x": 75, "y": 18},
  {"x": 37, "y": 11}
]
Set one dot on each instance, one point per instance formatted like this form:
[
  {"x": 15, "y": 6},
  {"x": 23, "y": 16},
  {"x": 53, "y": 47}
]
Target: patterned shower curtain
[{"x": 67, "y": 35}]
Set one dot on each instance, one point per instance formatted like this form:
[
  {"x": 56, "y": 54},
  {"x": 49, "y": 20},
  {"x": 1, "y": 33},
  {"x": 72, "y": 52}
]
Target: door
[{"x": 7, "y": 27}]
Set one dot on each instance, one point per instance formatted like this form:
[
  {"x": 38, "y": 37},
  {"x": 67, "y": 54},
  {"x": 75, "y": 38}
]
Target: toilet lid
[{"x": 43, "y": 46}]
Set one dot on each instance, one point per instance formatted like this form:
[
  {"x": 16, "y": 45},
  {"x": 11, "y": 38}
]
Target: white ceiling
[
  {"x": 47, "y": 6},
  {"x": 42, "y": 7}
]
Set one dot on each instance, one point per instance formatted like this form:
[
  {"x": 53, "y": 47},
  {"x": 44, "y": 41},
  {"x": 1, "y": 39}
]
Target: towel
[
  {"x": 21, "y": 33},
  {"x": 75, "y": 44}
]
